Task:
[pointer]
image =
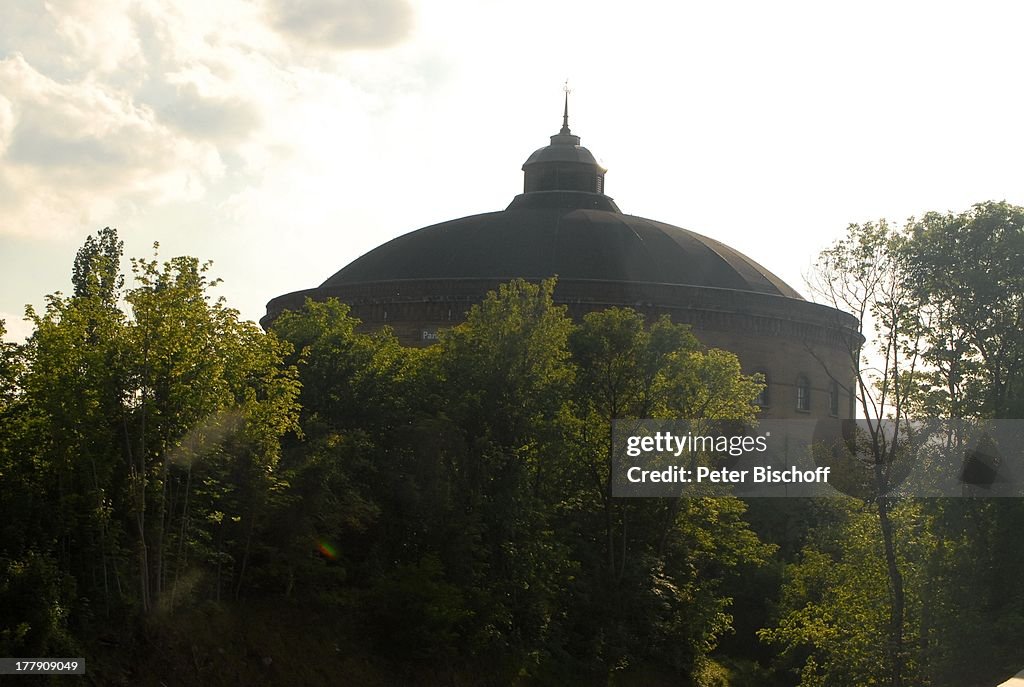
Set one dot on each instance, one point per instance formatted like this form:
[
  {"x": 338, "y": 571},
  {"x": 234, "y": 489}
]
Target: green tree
[
  {"x": 206, "y": 393},
  {"x": 73, "y": 397},
  {"x": 664, "y": 560},
  {"x": 505, "y": 376},
  {"x": 154, "y": 431},
  {"x": 866, "y": 273},
  {"x": 474, "y": 524},
  {"x": 35, "y": 592},
  {"x": 835, "y": 629},
  {"x": 97, "y": 269},
  {"x": 970, "y": 288},
  {"x": 353, "y": 455},
  {"x": 939, "y": 303}
]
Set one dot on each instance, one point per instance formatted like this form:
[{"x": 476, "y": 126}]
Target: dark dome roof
[
  {"x": 562, "y": 153},
  {"x": 573, "y": 235}
]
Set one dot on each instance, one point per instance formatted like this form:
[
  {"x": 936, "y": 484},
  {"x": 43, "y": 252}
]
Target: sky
[{"x": 282, "y": 139}]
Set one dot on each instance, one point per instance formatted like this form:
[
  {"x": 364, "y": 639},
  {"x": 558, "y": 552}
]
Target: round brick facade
[{"x": 428, "y": 279}]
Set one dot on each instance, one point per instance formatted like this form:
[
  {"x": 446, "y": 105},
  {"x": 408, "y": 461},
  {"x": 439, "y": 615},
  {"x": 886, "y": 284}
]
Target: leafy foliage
[
  {"x": 448, "y": 511},
  {"x": 970, "y": 289},
  {"x": 940, "y": 301},
  {"x": 140, "y": 447}
]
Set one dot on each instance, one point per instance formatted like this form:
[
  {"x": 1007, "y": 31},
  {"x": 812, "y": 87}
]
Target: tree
[
  {"x": 472, "y": 475},
  {"x": 205, "y": 392},
  {"x": 504, "y": 378},
  {"x": 967, "y": 280},
  {"x": 630, "y": 371},
  {"x": 35, "y": 592},
  {"x": 10, "y": 371},
  {"x": 154, "y": 430},
  {"x": 658, "y": 600},
  {"x": 836, "y": 622},
  {"x": 444, "y": 464},
  {"x": 970, "y": 290},
  {"x": 940, "y": 303},
  {"x": 97, "y": 269},
  {"x": 346, "y": 464},
  {"x": 73, "y": 397},
  {"x": 866, "y": 273}
]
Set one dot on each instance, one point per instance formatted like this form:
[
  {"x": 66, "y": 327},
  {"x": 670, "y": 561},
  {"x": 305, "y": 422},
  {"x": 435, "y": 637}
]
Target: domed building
[{"x": 564, "y": 225}]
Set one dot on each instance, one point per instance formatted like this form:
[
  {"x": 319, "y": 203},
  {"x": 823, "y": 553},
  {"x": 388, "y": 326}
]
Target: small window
[
  {"x": 764, "y": 398},
  {"x": 833, "y": 398},
  {"x": 803, "y": 394}
]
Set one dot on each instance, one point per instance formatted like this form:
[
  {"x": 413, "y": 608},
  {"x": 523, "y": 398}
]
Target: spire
[{"x": 565, "y": 115}]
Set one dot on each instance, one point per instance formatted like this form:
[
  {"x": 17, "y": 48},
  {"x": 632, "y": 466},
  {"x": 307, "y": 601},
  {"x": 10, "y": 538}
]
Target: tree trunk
[{"x": 896, "y": 593}]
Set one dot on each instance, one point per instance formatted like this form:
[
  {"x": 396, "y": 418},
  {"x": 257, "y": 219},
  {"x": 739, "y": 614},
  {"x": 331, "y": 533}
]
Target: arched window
[
  {"x": 833, "y": 398},
  {"x": 803, "y": 394},
  {"x": 764, "y": 398}
]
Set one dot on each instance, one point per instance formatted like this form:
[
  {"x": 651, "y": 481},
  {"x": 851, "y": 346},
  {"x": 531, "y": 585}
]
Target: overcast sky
[{"x": 284, "y": 138}]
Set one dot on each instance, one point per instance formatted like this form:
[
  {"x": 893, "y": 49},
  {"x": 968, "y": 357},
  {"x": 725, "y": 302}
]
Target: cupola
[{"x": 564, "y": 165}]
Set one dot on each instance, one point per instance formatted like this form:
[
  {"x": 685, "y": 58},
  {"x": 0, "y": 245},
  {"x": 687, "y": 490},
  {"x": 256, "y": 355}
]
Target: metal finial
[{"x": 565, "y": 114}]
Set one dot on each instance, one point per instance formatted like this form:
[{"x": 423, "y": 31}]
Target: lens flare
[{"x": 327, "y": 551}]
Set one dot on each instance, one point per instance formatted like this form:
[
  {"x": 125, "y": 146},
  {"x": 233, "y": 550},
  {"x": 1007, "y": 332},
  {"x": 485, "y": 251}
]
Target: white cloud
[
  {"x": 70, "y": 39},
  {"x": 72, "y": 152},
  {"x": 112, "y": 107},
  {"x": 100, "y": 36},
  {"x": 342, "y": 24},
  {"x": 6, "y": 123}
]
